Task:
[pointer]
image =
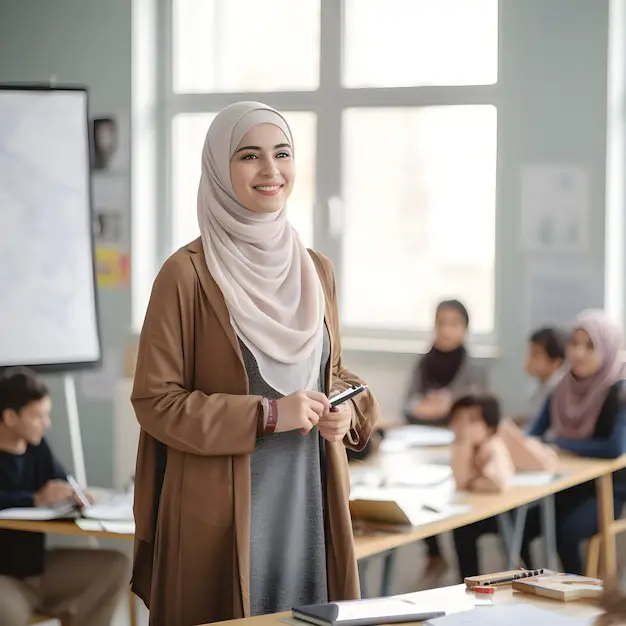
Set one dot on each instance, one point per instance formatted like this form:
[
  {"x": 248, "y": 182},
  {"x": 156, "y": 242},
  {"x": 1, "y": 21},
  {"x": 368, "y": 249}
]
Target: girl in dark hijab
[
  {"x": 446, "y": 371},
  {"x": 443, "y": 374}
]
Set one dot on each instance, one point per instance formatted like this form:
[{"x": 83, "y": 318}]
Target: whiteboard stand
[{"x": 76, "y": 440}]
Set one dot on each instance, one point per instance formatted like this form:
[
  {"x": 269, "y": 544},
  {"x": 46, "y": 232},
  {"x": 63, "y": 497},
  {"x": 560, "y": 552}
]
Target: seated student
[
  {"x": 444, "y": 372},
  {"x": 480, "y": 459},
  {"x": 544, "y": 362},
  {"x": 486, "y": 454},
  {"x": 586, "y": 415},
  {"x": 81, "y": 586}
]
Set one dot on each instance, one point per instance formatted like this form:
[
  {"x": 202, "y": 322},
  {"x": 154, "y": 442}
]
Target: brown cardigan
[{"x": 198, "y": 429}]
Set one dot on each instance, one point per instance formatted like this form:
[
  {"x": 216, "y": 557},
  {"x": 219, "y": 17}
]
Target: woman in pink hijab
[{"x": 586, "y": 415}]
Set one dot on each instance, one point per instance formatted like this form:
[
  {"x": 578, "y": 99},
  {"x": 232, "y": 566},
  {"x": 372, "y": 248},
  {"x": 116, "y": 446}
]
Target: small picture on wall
[
  {"x": 105, "y": 142},
  {"x": 108, "y": 227}
]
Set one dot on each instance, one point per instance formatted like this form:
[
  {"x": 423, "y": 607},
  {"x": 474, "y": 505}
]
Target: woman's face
[
  {"x": 581, "y": 355},
  {"x": 450, "y": 329},
  {"x": 262, "y": 170}
]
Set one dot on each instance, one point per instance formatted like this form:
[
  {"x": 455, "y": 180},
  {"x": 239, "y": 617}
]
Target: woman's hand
[
  {"x": 335, "y": 424},
  {"x": 301, "y": 411}
]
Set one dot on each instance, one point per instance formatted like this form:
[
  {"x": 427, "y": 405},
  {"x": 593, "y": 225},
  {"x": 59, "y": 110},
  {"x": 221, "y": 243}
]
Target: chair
[{"x": 592, "y": 566}]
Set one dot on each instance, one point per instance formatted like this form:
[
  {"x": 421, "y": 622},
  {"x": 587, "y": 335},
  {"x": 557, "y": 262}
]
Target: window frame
[{"x": 328, "y": 103}]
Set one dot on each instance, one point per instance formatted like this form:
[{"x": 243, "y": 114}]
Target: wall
[
  {"x": 552, "y": 108},
  {"x": 85, "y": 42}
]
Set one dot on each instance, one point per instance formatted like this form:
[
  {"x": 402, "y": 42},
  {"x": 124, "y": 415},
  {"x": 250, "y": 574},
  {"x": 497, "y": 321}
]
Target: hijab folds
[
  {"x": 576, "y": 403},
  {"x": 266, "y": 275}
]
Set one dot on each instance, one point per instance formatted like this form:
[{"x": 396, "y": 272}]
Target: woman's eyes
[{"x": 279, "y": 155}]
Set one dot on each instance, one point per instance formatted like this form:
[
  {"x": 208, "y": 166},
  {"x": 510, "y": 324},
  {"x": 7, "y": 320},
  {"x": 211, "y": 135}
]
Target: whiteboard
[{"x": 48, "y": 301}]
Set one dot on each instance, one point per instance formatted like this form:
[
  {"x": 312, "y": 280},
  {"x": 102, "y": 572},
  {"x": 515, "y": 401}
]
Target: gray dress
[{"x": 287, "y": 543}]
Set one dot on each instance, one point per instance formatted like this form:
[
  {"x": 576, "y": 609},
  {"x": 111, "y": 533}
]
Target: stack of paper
[
  {"x": 121, "y": 528},
  {"x": 413, "y": 436},
  {"x": 40, "y": 513}
]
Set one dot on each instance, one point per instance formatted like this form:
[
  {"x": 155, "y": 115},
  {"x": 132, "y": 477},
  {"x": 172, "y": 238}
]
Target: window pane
[
  {"x": 399, "y": 43},
  {"x": 188, "y": 134},
  {"x": 246, "y": 45},
  {"x": 419, "y": 188}
]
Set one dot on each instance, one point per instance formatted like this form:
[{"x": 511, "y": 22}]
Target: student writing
[{"x": 82, "y": 587}]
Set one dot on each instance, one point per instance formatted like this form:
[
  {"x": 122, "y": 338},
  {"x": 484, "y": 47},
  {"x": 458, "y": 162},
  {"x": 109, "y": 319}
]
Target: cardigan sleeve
[{"x": 185, "y": 419}]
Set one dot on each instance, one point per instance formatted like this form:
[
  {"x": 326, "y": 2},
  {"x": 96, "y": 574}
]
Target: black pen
[{"x": 514, "y": 577}]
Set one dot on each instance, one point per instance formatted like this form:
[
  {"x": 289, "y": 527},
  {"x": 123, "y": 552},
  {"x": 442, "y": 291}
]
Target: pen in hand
[{"x": 80, "y": 494}]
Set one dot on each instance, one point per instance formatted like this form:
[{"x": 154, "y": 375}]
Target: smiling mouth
[{"x": 268, "y": 190}]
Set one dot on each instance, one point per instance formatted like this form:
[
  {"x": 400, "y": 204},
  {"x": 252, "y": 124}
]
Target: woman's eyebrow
[{"x": 258, "y": 149}]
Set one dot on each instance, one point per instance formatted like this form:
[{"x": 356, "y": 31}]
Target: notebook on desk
[
  {"x": 366, "y": 612},
  {"x": 40, "y": 513},
  {"x": 110, "y": 512}
]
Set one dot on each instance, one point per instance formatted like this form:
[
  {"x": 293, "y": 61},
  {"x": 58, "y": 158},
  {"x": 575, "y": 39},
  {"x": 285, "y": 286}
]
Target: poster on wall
[
  {"x": 113, "y": 267},
  {"x": 555, "y": 208},
  {"x": 558, "y": 292}
]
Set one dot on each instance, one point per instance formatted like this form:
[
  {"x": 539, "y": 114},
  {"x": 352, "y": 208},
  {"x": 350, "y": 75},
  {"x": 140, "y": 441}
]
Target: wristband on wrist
[{"x": 272, "y": 416}]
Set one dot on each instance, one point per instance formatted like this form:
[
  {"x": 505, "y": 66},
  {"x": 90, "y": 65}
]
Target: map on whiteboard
[{"x": 48, "y": 313}]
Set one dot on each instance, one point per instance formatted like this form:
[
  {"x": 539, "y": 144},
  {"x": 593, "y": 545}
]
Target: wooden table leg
[
  {"x": 606, "y": 518},
  {"x": 132, "y": 605}
]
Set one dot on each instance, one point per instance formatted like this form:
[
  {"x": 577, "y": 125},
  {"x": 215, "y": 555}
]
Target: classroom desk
[
  {"x": 456, "y": 598},
  {"x": 572, "y": 469}
]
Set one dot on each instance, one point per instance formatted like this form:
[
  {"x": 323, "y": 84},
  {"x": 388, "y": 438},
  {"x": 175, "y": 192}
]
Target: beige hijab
[{"x": 269, "y": 282}]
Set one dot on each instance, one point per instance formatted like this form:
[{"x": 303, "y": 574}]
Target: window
[
  {"x": 392, "y": 106},
  {"x": 414, "y": 237},
  {"x": 401, "y": 43},
  {"x": 246, "y": 45}
]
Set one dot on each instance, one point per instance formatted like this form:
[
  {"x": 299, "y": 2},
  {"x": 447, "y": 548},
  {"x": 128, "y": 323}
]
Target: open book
[{"x": 110, "y": 507}]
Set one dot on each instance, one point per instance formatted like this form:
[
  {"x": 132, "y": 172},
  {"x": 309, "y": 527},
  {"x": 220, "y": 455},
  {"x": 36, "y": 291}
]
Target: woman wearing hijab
[
  {"x": 242, "y": 487},
  {"x": 586, "y": 415},
  {"x": 446, "y": 371}
]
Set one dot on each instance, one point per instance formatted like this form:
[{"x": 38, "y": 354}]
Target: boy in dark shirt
[{"x": 80, "y": 586}]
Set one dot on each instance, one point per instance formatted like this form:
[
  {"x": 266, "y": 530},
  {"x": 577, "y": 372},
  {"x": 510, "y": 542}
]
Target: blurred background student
[
  {"x": 80, "y": 586},
  {"x": 544, "y": 362},
  {"x": 586, "y": 414},
  {"x": 444, "y": 373}
]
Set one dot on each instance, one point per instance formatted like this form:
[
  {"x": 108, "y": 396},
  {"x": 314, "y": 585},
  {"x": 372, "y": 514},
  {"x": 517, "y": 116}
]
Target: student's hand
[
  {"x": 88, "y": 495},
  {"x": 335, "y": 424},
  {"x": 54, "y": 492},
  {"x": 301, "y": 411},
  {"x": 469, "y": 432}
]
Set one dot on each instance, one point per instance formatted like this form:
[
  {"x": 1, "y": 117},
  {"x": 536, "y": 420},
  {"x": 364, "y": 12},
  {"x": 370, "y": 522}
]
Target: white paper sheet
[
  {"x": 559, "y": 291},
  {"x": 533, "y": 479},
  {"x": 509, "y": 614},
  {"x": 91, "y": 525},
  {"x": 413, "y": 436},
  {"x": 555, "y": 208},
  {"x": 37, "y": 513}
]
